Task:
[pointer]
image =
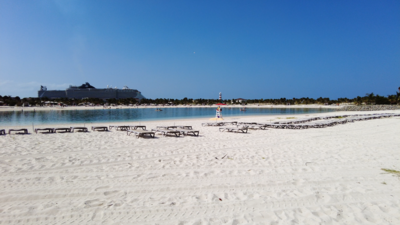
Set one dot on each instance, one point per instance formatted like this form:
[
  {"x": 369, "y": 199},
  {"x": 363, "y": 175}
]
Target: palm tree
[
  {"x": 398, "y": 95},
  {"x": 370, "y": 98},
  {"x": 358, "y": 100},
  {"x": 392, "y": 99}
]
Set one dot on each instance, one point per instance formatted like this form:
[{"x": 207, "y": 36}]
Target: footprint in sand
[
  {"x": 110, "y": 193},
  {"x": 94, "y": 203},
  {"x": 102, "y": 187}
]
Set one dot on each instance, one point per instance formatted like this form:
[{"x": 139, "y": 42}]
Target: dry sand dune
[{"x": 314, "y": 176}]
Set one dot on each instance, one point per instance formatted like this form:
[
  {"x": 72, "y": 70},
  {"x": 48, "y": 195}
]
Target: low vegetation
[
  {"x": 368, "y": 99},
  {"x": 394, "y": 172}
]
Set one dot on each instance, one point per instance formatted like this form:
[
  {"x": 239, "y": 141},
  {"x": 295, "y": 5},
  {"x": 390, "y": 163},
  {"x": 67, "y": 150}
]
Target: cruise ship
[{"x": 88, "y": 91}]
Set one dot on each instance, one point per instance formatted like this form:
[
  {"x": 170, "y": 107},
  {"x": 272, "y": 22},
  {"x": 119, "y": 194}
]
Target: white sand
[{"x": 315, "y": 176}]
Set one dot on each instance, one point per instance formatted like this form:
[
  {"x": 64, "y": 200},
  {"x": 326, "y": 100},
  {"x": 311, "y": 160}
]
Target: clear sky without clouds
[{"x": 196, "y": 49}]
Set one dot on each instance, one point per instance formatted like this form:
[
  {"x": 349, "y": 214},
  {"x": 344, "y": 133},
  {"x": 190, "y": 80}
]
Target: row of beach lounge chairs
[
  {"x": 47, "y": 130},
  {"x": 17, "y": 131},
  {"x": 137, "y": 130},
  {"x": 176, "y": 131},
  {"x": 217, "y": 124},
  {"x": 329, "y": 121},
  {"x": 238, "y": 127},
  {"x": 314, "y": 122}
]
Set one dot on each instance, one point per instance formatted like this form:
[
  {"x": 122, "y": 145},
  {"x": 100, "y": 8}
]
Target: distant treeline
[{"x": 368, "y": 99}]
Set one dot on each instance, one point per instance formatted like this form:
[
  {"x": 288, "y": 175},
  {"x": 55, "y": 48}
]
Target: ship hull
[{"x": 91, "y": 93}]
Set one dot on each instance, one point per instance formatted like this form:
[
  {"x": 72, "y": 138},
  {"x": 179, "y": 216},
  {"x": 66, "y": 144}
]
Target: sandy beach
[{"x": 315, "y": 176}]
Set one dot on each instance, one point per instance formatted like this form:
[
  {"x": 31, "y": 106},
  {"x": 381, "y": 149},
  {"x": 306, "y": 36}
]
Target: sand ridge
[{"x": 315, "y": 176}]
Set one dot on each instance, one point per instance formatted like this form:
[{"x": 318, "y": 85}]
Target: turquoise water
[{"x": 133, "y": 114}]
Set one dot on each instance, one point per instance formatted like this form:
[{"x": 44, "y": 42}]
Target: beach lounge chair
[
  {"x": 167, "y": 132},
  {"x": 100, "y": 128},
  {"x": 185, "y": 127},
  {"x": 322, "y": 124},
  {"x": 79, "y": 129},
  {"x": 242, "y": 129},
  {"x": 18, "y": 131},
  {"x": 187, "y": 132},
  {"x": 2, "y": 132},
  {"x": 141, "y": 133},
  {"x": 230, "y": 123},
  {"x": 135, "y": 127},
  {"x": 257, "y": 126},
  {"x": 120, "y": 127},
  {"x": 276, "y": 125},
  {"x": 49, "y": 130},
  {"x": 213, "y": 124},
  {"x": 246, "y": 123},
  {"x": 298, "y": 126},
  {"x": 166, "y": 127},
  {"x": 64, "y": 129}
]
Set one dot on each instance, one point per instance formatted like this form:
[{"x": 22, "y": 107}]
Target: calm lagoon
[{"x": 136, "y": 114}]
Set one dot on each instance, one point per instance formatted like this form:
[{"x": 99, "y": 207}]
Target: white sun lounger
[
  {"x": 242, "y": 129},
  {"x": 79, "y": 129},
  {"x": 119, "y": 127},
  {"x": 99, "y": 128},
  {"x": 141, "y": 133},
  {"x": 185, "y": 127},
  {"x": 188, "y": 132},
  {"x": 257, "y": 126},
  {"x": 63, "y": 129},
  {"x": 49, "y": 130},
  {"x": 18, "y": 131},
  {"x": 167, "y": 132},
  {"x": 135, "y": 127},
  {"x": 166, "y": 127},
  {"x": 213, "y": 124}
]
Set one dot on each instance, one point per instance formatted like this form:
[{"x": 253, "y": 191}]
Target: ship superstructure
[{"x": 88, "y": 91}]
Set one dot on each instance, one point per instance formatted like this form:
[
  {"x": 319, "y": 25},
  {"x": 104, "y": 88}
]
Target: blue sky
[{"x": 196, "y": 49}]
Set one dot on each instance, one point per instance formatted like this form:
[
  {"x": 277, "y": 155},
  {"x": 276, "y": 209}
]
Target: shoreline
[
  {"x": 269, "y": 117},
  {"x": 49, "y": 108},
  {"x": 204, "y": 118},
  {"x": 152, "y": 120}
]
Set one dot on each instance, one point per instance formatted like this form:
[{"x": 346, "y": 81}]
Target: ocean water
[{"x": 135, "y": 114}]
